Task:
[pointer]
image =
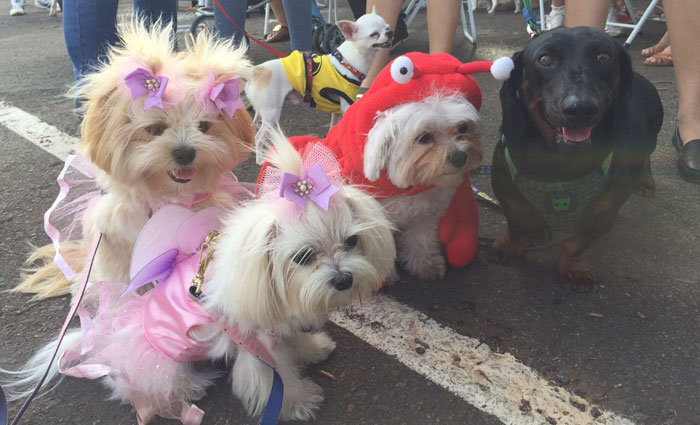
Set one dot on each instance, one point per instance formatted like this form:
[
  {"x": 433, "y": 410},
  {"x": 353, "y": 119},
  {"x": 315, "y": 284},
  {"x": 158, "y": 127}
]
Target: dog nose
[
  {"x": 390, "y": 34},
  {"x": 184, "y": 155},
  {"x": 574, "y": 107},
  {"x": 458, "y": 158},
  {"x": 342, "y": 281}
]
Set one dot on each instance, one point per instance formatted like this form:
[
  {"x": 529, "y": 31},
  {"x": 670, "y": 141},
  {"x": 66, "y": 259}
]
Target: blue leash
[{"x": 271, "y": 414}]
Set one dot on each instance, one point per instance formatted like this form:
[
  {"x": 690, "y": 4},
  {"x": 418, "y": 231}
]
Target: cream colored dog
[{"x": 148, "y": 155}]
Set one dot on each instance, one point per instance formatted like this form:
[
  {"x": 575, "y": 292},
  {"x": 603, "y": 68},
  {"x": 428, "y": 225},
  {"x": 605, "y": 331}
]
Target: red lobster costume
[{"x": 407, "y": 79}]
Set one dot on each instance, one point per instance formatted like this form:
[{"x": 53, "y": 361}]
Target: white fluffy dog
[
  {"x": 145, "y": 157},
  {"x": 334, "y": 85},
  {"x": 431, "y": 142},
  {"x": 275, "y": 272}
]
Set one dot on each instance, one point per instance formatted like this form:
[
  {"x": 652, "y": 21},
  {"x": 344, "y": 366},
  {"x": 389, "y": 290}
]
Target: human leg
[
  {"x": 442, "y": 23},
  {"x": 89, "y": 27},
  {"x": 590, "y": 13},
  {"x": 681, "y": 16},
  {"x": 153, "y": 10},
  {"x": 236, "y": 10},
  {"x": 299, "y": 22}
]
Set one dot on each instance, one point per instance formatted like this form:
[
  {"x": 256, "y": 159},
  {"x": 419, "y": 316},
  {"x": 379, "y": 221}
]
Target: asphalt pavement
[{"x": 638, "y": 355}]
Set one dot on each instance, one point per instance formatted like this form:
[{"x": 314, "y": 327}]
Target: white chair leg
[
  {"x": 640, "y": 24},
  {"x": 266, "y": 25},
  {"x": 541, "y": 15}
]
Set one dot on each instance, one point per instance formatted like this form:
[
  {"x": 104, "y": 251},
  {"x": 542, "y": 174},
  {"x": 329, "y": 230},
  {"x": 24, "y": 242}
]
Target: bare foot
[
  {"x": 658, "y": 47},
  {"x": 665, "y": 58}
]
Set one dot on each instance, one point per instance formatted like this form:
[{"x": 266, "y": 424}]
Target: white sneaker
[
  {"x": 42, "y": 4},
  {"x": 555, "y": 18},
  {"x": 17, "y": 8}
]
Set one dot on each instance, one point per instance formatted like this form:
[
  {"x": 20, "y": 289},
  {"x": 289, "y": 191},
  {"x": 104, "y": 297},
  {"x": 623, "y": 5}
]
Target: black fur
[{"x": 620, "y": 107}]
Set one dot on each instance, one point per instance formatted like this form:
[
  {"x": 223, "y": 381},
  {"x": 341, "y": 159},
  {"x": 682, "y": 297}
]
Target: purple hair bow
[
  {"x": 225, "y": 96},
  {"x": 315, "y": 185},
  {"x": 141, "y": 82}
]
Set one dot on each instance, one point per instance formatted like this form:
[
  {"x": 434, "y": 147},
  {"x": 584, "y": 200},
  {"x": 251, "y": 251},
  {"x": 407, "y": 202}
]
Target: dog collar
[{"x": 356, "y": 72}]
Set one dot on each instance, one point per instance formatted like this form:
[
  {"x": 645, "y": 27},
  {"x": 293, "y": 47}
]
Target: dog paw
[
  {"x": 576, "y": 273},
  {"x": 646, "y": 187},
  {"x": 504, "y": 251},
  {"x": 316, "y": 347},
  {"x": 301, "y": 401},
  {"x": 430, "y": 267}
]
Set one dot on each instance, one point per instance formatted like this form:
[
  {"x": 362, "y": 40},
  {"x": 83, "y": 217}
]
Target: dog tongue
[
  {"x": 576, "y": 134},
  {"x": 184, "y": 173}
]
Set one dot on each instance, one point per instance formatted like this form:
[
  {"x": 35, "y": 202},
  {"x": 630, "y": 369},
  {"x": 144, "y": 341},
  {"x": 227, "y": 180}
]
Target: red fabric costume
[{"x": 431, "y": 73}]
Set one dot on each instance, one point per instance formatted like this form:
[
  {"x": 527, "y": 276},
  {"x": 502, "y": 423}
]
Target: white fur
[
  {"x": 254, "y": 283},
  {"x": 494, "y": 3},
  {"x": 267, "y": 94},
  {"x": 393, "y": 146}
]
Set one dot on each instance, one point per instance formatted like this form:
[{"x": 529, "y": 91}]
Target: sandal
[
  {"x": 279, "y": 33},
  {"x": 653, "y": 50},
  {"x": 660, "y": 59}
]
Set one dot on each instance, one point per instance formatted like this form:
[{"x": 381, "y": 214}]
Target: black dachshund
[{"x": 578, "y": 128}]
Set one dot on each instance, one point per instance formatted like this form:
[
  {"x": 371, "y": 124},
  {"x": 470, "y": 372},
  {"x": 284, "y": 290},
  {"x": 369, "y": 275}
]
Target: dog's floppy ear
[
  {"x": 241, "y": 285},
  {"x": 376, "y": 240},
  {"x": 513, "y": 123},
  {"x": 348, "y": 28},
  {"x": 102, "y": 119},
  {"x": 626, "y": 71},
  {"x": 376, "y": 149}
]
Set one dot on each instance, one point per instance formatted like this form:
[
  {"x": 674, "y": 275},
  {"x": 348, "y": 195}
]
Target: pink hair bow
[
  {"x": 315, "y": 186},
  {"x": 226, "y": 97},
  {"x": 318, "y": 180},
  {"x": 141, "y": 81}
]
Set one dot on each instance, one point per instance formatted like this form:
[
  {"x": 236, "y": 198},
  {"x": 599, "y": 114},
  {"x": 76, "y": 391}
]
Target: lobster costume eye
[{"x": 402, "y": 70}]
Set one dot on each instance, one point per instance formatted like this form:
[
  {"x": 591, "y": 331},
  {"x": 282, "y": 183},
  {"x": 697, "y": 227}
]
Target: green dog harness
[{"x": 561, "y": 203}]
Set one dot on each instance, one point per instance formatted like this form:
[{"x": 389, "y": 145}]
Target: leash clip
[{"x": 204, "y": 259}]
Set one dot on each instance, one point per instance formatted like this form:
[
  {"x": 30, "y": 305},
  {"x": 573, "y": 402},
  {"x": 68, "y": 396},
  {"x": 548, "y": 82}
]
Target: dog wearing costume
[
  {"x": 328, "y": 83},
  {"x": 410, "y": 141}
]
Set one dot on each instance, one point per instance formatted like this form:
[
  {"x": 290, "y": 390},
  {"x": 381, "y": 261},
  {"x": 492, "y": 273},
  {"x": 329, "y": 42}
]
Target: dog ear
[
  {"x": 242, "y": 283},
  {"x": 348, "y": 28},
  {"x": 374, "y": 9},
  {"x": 626, "y": 71},
  {"x": 513, "y": 122},
  {"x": 376, "y": 240},
  {"x": 376, "y": 153},
  {"x": 102, "y": 118}
]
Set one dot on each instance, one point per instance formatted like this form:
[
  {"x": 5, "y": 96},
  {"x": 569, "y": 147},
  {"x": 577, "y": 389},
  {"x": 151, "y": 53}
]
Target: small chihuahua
[{"x": 329, "y": 83}]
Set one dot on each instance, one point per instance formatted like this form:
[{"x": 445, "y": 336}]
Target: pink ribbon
[
  {"x": 141, "y": 81},
  {"x": 226, "y": 97},
  {"x": 315, "y": 185}
]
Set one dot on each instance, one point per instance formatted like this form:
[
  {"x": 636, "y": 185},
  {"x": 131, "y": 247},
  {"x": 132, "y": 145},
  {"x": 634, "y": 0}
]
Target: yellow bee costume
[{"x": 316, "y": 78}]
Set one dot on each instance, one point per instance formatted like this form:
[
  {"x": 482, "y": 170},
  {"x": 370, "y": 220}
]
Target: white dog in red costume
[{"x": 410, "y": 140}]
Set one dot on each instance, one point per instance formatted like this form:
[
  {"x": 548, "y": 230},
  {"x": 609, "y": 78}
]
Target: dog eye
[
  {"x": 304, "y": 256},
  {"x": 204, "y": 126},
  {"x": 545, "y": 60},
  {"x": 156, "y": 129},
  {"x": 374, "y": 34},
  {"x": 351, "y": 242},
  {"x": 425, "y": 139},
  {"x": 603, "y": 57},
  {"x": 463, "y": 128}
]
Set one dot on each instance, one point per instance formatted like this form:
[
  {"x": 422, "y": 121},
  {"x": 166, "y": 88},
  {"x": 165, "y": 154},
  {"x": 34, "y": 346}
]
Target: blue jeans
[
  {"x": 90, "y": 27},
  {"x": 298, "y": 20}
]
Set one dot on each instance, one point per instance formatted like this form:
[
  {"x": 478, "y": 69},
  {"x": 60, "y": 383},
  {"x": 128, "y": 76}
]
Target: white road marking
[
  {"x": 494, "y": 383},
  {"x": 38, "y": 132}
]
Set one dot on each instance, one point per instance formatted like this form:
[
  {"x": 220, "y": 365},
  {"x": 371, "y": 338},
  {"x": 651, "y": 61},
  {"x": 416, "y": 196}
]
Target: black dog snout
[
  {"x": 184, "y": 155},
  {"x": 458, "y": 158},
  {"x": 577, "y": 108},
  {"x": 390, "y": 34},
  {"x": 342, "y": 281}
]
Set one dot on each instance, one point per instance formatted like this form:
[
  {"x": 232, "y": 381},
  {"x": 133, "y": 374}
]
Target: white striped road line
[
  {"x": 38, "y": 132},
  {"x": 494, "y": 383}
]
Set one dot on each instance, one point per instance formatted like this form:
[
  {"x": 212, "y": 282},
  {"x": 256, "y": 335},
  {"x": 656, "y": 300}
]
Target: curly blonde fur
[{"x": 135, "y": 150}]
